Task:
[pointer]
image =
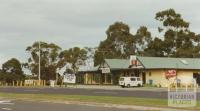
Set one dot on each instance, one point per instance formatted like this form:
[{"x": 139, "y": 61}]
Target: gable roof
[
  {"x": 118, "y": 63},
  {"x": 169, "y": 63}
]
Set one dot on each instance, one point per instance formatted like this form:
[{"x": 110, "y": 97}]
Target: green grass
[{"x": 96, "y": 99}]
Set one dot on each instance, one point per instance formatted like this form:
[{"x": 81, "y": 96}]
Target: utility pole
[
  {"x": 39, "y": 71},
  {"x": 105, "y": 74}
]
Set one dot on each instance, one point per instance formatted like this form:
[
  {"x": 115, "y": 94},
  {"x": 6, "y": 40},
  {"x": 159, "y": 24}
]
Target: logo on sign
[
  {"x": 170, "y": 73},
  {"x": 69, "y": 78},
  {"x": 184, "y": 96}
]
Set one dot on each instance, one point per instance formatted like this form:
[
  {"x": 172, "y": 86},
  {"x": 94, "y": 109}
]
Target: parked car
[{"x": 130, "y": 81}]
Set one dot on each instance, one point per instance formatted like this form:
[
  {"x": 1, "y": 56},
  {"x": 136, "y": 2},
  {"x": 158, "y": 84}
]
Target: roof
[
  {"x": 152, "y": 63},
  {"x": 169, "y": 63},
  {"x": 93, "y": 69},
  {"x": 118, "y": 63}
]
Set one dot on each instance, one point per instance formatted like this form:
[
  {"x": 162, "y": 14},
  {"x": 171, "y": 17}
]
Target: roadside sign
[
  {"x": 69, "y": 78},
  {"x": 52, "y": 83},
  {"x": 105, "y": 70}
]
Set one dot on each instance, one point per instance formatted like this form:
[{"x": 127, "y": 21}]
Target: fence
[{"x": 25, "y": 83}]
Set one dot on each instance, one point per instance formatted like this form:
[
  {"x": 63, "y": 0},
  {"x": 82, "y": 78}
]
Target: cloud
[{"x": 71, "y": 23}]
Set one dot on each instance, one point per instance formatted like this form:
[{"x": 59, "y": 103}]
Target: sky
[{"x": 70, "y": 23}]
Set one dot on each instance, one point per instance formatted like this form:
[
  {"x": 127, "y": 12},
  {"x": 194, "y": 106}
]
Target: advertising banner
[{"x": 69, "y": 78}]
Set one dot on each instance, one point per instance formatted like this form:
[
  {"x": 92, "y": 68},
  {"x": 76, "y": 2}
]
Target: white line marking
[
  {"x": 31, "y": 90},
  {"x": 106, "y": 92},
  {"x": 8, "y": 109},
  {"x": 6, "y": 102}
]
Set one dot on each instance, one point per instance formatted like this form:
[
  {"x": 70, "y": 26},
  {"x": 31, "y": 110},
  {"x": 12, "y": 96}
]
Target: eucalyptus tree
[
  {"x": 74, "y": 57},
  {"x": 178, "y": 39},
  {"x": 155, "y": 48},
  {"x": 49, "y": 54},
  {"x": 118, "y": 44},
  {"x": 142, "y": 40},
  {"x": 12, "y": 71}
]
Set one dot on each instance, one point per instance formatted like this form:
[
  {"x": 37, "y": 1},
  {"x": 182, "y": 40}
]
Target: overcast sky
[{"x": 70, "y": 23}]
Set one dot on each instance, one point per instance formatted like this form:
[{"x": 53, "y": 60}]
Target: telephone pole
[{"x": 39, "y": 71}]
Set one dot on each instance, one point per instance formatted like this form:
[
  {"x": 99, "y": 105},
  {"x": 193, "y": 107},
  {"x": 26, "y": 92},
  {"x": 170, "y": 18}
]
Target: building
[{"x": 155, "y": 71}]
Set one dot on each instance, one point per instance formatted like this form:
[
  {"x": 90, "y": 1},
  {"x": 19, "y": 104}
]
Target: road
[
  {"x": 90, "y": 92},
  {"x": 12, "y": 105}
]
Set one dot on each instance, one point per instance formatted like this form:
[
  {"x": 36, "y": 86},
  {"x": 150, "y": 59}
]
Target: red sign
[
  {"x": 134, "y": 62},
  {"x": 170, "y": 73}
]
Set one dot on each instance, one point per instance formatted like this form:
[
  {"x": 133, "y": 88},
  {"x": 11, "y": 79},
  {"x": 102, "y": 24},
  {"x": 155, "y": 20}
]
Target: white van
[{"x": 130, "y": 81}]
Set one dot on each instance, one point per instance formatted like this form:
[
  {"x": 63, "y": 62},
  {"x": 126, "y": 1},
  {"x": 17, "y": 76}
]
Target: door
[
  {"x": 133, "y": 82},
  {"x": 144, "y": 77}
]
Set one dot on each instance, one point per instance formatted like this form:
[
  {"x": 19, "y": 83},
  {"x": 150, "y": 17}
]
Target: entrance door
[
  {"x": 197, "y": 77},
  {"x": 144, "y": 77}
]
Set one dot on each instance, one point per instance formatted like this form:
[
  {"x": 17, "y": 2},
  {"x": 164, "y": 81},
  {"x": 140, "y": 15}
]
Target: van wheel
[
  {"x": 128, "y": 85},
  {"x": 139, "y": 85}
]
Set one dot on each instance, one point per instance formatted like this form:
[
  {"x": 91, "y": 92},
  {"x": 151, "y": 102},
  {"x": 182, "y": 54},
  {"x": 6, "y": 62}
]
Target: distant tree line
[
  {"x": 177, "y": 41},
  {"x": 52, "y": 60}
]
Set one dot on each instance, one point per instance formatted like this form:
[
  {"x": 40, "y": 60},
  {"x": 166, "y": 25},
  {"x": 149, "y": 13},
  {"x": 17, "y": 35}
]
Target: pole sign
[
  {"x": 52, "y": 83},
  {"x": 69, "y": 78}
]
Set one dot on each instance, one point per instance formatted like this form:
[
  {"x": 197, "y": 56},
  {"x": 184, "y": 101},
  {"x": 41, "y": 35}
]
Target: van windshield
[{"x": 121, "y": 79}]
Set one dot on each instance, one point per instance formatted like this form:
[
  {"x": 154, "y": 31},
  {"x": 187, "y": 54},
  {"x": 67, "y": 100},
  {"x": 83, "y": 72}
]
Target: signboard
[
  {"x": 133, "y": 60},
  {"x": 105, "y": 70},
  {"x": 69, "y": 78},
  {"x": 52, "y": 83},
  {"x": 170, "y": 73}
]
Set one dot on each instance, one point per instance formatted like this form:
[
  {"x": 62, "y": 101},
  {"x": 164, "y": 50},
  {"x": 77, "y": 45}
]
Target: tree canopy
[
  {"x": 49, "y": 59},
  {"x": 74, "y": 56},
  {"x": 120, "y": 43},
  {"x": 11, "y": 71},
  {"x": 177, "y": 40}
]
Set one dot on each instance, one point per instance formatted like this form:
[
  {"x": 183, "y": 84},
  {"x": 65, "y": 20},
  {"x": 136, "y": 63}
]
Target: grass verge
[{"x": 96, "y": 99}]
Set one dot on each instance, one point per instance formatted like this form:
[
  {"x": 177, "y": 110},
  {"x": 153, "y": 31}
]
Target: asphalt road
[
  {"x": 91, "y": 92},
  {"x": 7, "y": 105}
]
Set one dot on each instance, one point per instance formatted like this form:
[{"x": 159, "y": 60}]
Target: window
[
  {"x": 121, "y": 79},
  {"x": 138, "y": 79},
  {"x": 133, "y": 79},
  {"x": 149, "y": 73}
]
